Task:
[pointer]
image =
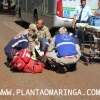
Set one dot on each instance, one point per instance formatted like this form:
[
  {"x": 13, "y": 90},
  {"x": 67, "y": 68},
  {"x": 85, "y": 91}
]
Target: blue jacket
[
  {"x": 65, "y": 45},
  {"x": 14, "y": 45}
]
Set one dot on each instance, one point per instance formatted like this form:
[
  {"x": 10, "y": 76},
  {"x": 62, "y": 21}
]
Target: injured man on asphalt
[{"x": 64, "y": 48}]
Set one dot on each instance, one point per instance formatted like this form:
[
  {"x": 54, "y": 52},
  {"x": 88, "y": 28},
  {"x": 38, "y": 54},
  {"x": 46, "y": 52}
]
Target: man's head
[
  {"x": 83, "y": 3},
  {"x": 99, "y": 4},
  {"x": 62, "y": 30},
  {"x": 40, "y": 24},
  {"x": 32, "y": 29}
]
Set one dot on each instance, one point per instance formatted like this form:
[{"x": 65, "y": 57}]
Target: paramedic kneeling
[
  {"x": 67, "y": 51},
  {"x": 43, "y": 34}
]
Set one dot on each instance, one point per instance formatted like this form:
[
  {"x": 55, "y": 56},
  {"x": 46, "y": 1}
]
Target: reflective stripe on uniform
[
  {"x": 63, "y": 43},
  {"x": 23, "y": 40}
]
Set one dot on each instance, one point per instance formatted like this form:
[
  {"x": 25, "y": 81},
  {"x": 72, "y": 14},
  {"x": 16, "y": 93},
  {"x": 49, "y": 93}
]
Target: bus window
[
  {"x": 69, "y": 7},
  {"x": 51, "y": 9},
  {"x": 29, "y": 6},
  {"x": 45, "y": 6}
]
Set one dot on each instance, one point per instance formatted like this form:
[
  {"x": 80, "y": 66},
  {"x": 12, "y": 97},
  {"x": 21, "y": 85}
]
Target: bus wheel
[{"x": 35, "y": 15}]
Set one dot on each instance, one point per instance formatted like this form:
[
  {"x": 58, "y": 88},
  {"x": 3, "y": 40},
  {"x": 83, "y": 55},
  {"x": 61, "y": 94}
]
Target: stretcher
[{"x": 67, "y": 63}]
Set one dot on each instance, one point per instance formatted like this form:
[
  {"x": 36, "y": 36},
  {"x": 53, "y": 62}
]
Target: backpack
[
  {"x": 34, "y": 67},
  {"x": 20, "y": 59},
  {"x": 17, "y": 64},
  {"x": 24, "y": 54},
  {"x": 23, "y": 62}
]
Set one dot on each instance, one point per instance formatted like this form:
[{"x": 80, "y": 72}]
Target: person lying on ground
[{"x": 64, "y": 48}]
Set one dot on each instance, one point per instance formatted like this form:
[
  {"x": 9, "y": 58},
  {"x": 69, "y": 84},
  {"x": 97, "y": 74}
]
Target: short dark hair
[{"x": 83, "y": 0}]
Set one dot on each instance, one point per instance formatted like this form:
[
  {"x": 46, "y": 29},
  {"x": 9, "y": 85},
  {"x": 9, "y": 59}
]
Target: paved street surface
[{"x": 86, "y": 77}]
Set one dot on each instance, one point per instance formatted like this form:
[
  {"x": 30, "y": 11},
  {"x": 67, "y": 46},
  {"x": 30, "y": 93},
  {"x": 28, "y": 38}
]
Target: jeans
[
  {"x": 80, "y": 35},
  {"x": 44, "y": 44}
]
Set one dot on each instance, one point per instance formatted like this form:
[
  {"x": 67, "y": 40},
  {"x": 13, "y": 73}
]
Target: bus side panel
[
  {"x": 28, "y": 7},
  {"x": 27, "y": 14},
  {"x": 49, "y": 16}
]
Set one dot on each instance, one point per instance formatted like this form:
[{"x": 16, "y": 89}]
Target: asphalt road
[{"x": 86, "y": 77}]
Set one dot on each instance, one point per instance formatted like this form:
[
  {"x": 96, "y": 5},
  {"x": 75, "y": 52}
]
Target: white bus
[{"x": 55, "y": 12}]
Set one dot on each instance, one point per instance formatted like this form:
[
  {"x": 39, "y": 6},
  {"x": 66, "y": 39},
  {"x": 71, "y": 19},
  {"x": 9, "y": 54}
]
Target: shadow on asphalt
[
  {"x": 25, "y": 25},
  {"x": 22, "y": 23},
  {"x": 60, "y": 69}
]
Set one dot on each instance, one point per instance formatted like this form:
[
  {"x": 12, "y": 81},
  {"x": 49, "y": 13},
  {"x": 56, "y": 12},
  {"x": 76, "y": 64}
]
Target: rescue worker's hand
[{"x": 34, "y": 36}]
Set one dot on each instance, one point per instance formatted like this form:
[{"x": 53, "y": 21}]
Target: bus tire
[{"x": 35, "y": 15}]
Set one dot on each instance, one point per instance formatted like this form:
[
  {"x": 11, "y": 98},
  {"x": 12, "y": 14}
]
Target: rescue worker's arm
[
  {"x": 32, "y": 38},
  {"x": 32, "y": 46},
  {"x": 75, "y": 18},
  {"x": 52, "y": 45},
  {"x": 48, "y": 34},
  {"x": 96, "y": 14},
  {"x": 74, "y": 22}
]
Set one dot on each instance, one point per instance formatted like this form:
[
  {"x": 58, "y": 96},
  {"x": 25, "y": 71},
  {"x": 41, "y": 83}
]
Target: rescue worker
[
  {"x": 25, "y": 39},
  {"x": 43, "y": 34},
  {"x": 31, "y": 35}
]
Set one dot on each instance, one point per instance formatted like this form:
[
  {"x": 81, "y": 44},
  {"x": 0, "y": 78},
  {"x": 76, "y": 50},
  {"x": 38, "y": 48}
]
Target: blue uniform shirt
[{"x": 65, "y": 45}]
